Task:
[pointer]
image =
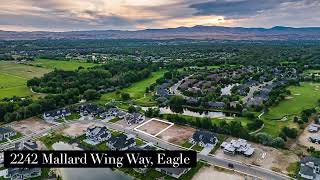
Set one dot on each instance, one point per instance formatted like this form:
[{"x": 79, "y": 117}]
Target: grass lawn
[
  {"x": 136, "y": 90},
  {"x": 114, "y": 120},
  {"x": 293, "y": 169},
  {"x": 139, "y": 142},
  {"x": 197, "y": 148},
  {"x": 116, "y": 133},
  {"x": 14, "y": 77},
  {"x": 186, "y": 144},
  {"x": 303, "y": 97},
  {"x": 73, "y": 116},
  {"x": 64, "y": 65},
  {"x": 102, "y": 147},
  {"x": 22, "y": 70},
  {"x": 49, "y": 140}
]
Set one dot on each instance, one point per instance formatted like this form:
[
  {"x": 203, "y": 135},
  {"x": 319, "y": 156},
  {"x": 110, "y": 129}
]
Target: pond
[{"x": 87, "y": 173}]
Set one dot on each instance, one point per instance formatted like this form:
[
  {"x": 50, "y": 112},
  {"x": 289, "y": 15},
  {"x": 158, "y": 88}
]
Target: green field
[
  {"x": 14, "y": 76},
  {"x": 302, "y": 97},
  {"x": 136, "y": 90},
  {"x": 64, "y": 65}
]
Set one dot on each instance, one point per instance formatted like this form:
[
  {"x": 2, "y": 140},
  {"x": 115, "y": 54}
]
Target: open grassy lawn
[
  {"x": 11, "y": 85},
  {"x": 21, "y": 70},
  {"x": 14, "y": 77},
  {"x": 65, "y": 65},
  {"x": 136, "y": 90},
  {"x": 302, "y": 97}
]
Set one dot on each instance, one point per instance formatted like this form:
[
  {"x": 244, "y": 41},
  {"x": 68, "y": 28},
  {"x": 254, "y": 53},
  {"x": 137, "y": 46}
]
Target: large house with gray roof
[
  {"x": 310, "y": 168},
  {"x": 97, "y": 134},
  {"x": 6, "y": 132},
  {"x": 203, "y": 138},
  {"x": 240, "y": 146},
  {"x": 121, "y": 142},
  {"x": 56, "y": 114},
  {"x": 22, "y": 173},
  {"x": 173, "y": 172},
  {"x": 134, "y": 118}
]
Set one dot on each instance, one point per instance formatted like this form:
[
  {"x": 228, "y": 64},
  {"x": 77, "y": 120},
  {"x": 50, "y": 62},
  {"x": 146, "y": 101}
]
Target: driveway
[{"x": 206, "y": 150}]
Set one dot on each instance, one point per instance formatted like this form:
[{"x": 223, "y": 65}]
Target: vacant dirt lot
[
  {"x": 209, "y": 173},
  {"x": 153, "y": 127},
  {"x": 78, "y": 128},
  {"x": 177, "y": 134},
  {"x": 266, "y": 157},
  {"x": 29, "y": 126}
]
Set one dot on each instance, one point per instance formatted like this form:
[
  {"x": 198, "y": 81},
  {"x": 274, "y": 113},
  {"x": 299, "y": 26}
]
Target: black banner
[{"x": 111, "y": 159}]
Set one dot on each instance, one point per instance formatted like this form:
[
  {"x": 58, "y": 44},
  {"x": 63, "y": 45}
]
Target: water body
[
  {"x": 87, "y": 173},
  {"x": 209, "y": 114}
]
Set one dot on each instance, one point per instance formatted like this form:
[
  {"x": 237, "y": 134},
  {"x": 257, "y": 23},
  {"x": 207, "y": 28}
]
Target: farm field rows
[{"x": 302, "y": 97}]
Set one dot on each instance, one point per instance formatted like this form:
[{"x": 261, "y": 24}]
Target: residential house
[
  {"x": 27, "y": 145},
  {"x": 134, "y": 118},
  {"x": 173, "y": 172},
  {"x": 239, "y": 146},
  {"x": 203, "y": 138},
  {"x": 217, "y": 105},
  {"x": 56, "y": 114},
  {"x": 121, "y": 142},
  {"x": 22, "y": 173},
  {"x": 310, "y": 168},
  {"x": 97, "y": 134},
  {"x": 6, "y": 133},
  {"x": 90, "y": 109}
]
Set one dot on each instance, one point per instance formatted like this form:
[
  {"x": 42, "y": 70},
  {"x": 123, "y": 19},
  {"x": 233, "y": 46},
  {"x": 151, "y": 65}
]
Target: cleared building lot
[
  {"x": 31, "y": 125},
  {"x": 177, "y": 134}
]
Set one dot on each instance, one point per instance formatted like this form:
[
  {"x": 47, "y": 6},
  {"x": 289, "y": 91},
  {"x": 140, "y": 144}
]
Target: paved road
[{"x": 249, "y": 169}]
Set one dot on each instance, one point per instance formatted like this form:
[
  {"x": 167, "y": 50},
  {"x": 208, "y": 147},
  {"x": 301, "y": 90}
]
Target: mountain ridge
[{"x": 196, "y": 32}]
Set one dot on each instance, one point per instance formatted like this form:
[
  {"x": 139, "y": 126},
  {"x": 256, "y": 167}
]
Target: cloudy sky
[{"x": 66, "y": 15}]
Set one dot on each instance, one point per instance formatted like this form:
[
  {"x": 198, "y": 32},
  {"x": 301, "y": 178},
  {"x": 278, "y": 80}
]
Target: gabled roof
[
  {"x": 306, "y": 170},
  {"x": 4, "y": 130},
  {"x": 96, "y": 131},
  {"x": 204, "y": 136},
  {"x": 307, "y": 159}
]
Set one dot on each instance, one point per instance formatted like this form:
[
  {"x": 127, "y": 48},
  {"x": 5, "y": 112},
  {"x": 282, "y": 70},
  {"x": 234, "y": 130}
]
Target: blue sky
[{"x": 66, "y": 15}]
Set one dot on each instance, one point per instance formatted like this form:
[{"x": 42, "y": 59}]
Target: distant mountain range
[{"x": 196, "y": 32}]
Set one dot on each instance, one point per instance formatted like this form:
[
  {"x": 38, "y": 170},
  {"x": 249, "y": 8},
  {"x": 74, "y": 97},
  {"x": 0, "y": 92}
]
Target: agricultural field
[
  {"x": 302, "y": 97},
  {"x": 136, "y": 90},
  {"x": 65, "y": 65},
  {"x": 14, "y": 77}
]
